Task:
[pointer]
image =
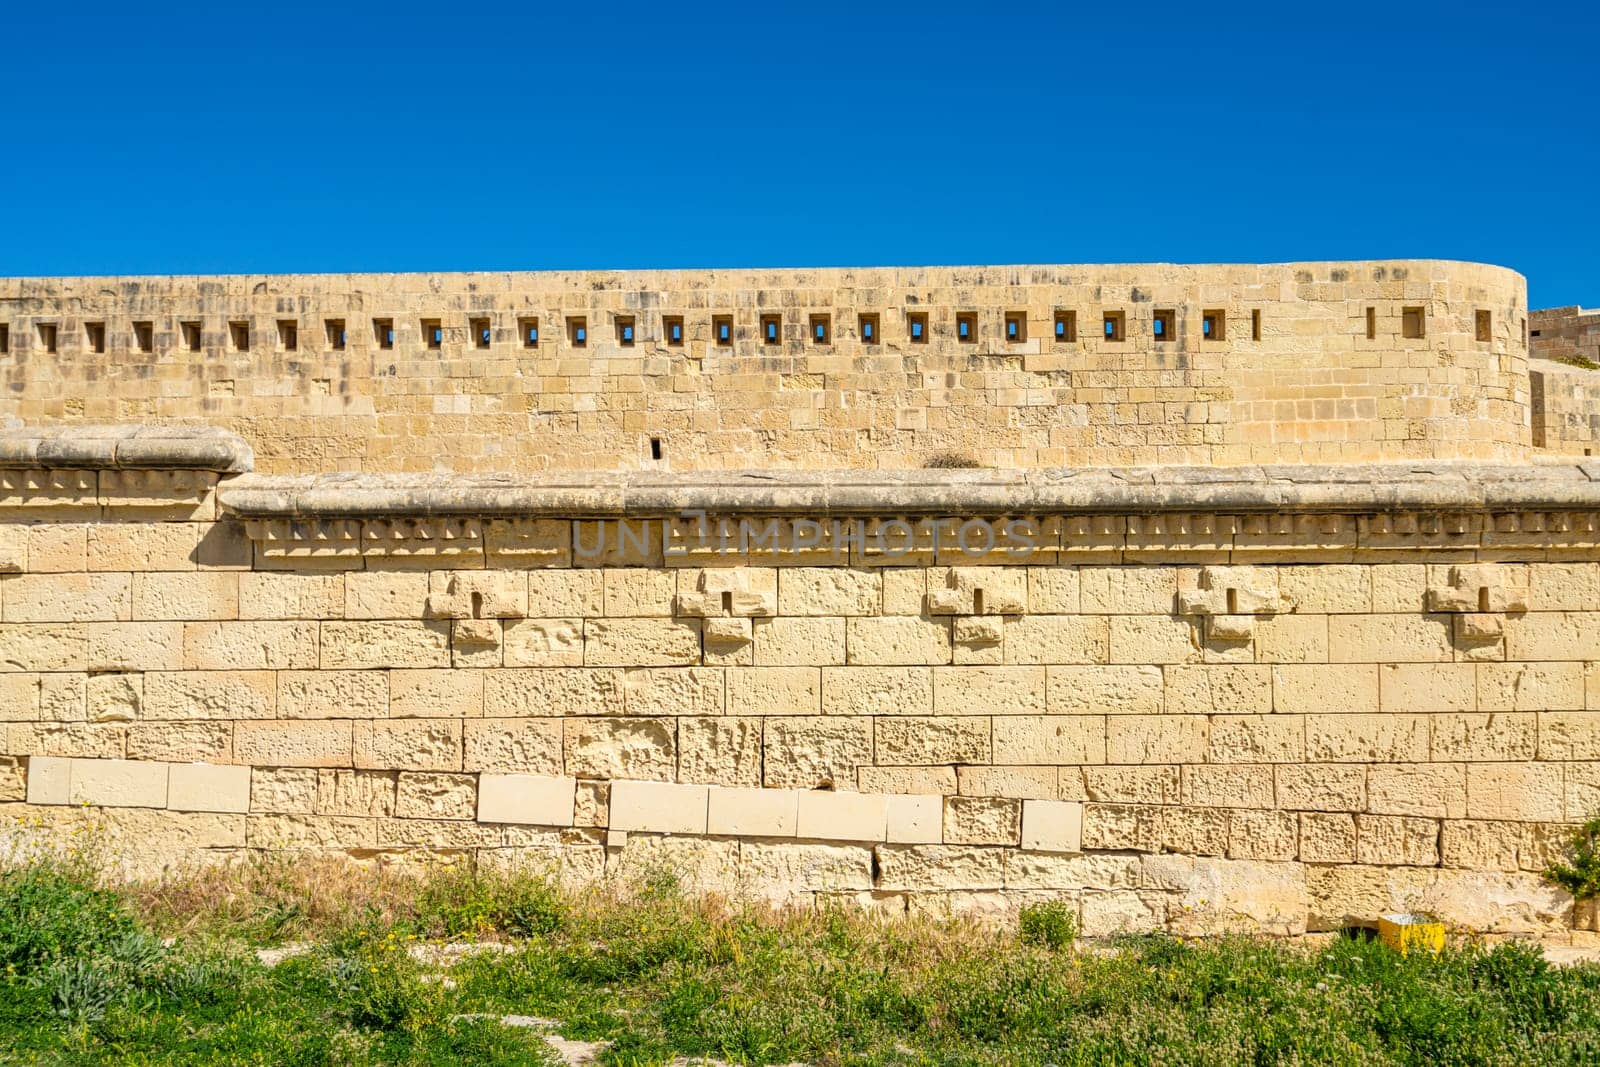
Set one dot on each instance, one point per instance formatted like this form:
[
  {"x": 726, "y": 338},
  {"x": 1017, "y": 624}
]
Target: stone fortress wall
[
  {"x": 1279, "y": 697},
  {"x": 1310, "y": 362},
  {"x": 1564, "y": 372}
]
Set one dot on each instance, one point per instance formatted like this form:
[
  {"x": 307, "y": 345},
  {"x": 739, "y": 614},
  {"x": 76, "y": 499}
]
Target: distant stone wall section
[
  {"x": 1565, "y": 379},
  {"x": 998, "y": 367}
]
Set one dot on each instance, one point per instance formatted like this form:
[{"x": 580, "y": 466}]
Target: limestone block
[
  {"x": 831, "y": 591},
  {"x": 475, "y": 642},
  {"x": 1387, "y": 840},
  {"x": 977, "y": 591},
  {"x": 939, "y": 867},
  {"x": 640, "y": 642},
  {"x": 1386, "y": 737},
  {"x": 526, "y": 798},
  {"x": 1156, "y": 738},
  {"x": 210, "y": 695},
  {"x": 68, "y": 598},
  {"x": 1224, "y": 786},
  {"x": 728, "y": 640},
  {"x": 453, "y": 694},
  {"x": 385, "y": 643},
  {"x": 921, "y": 781},
  {"x": 333, "y": 694},
  {"x": 1039, "y": 783},
  {"x": 309, "y": 831},
  {"x": 181, "y": 597},
  {"x": 112, "y": 697},
  {"x": 142, "y": 546},
  {"x": 135, "y": 646},
  {"x": 1327, "y": 838},
  {"x": 1328, "y": 588},
  {"x": 904, "y": 588},
  {"x": 897, "y": 640},
  {"x": 61, "y": 697},
  {"x": 1057, "y": 639},
  {"x": 1052, "y": 825},
  {"x": 1192, "y": 689},
  {"x": 659, "y": 807},
  {"x": 1257, "y": 739},
  {"x": 409, "y": 744},
  {"x": 631, "y": 592},
  {"x": 697, "y": 865},
  {"x": 1569, "y": 735},
  {"x": 552, "y": 691},
  {"x": 1389, "y": 639},
  {"x": 51, "y": 547},
  {"x": 1132, "y": 785},
  {"x": 1138, "y": 590},
  {"x": 1530, "y": 686},
  {"x": 743, "y": 592},
  {"x": 752, "y": 812},
  {"x": 208, "y": 787},
  {"x": 780, "y": 870},
  {"x": 1519, "y": 792},
  {"x": 525, "y": 745},
  {"x": 977, "y": 639},
  {"x": 566, "y": 594},
  {"x": 489, "y": 594},
  {"x": 421, "y": 795},
  {"x": 1428, "y": 790},
  {"x": 814, "y": 751},
  {"x": 982, "y": 821},
  {"x": 905, "y": 740},
  {"x": 1008, "y": 690},
  {"x": 287, "y": 595},
  {"x": 436, "y": 834},
  {"x": 286, "y": 790},
  {"x": 1399, "y": 588},
  {"x": 1414, "y": 687},
  {"x": 1263, "y": 835},
  {"x": 829, "y": 816},
  {"x": 1053, "y": 590},
  {"x": 1496, "y": 902},
  {"x": 293, "y": 744},
  {"x": 775, "y": 690},
  {"x": 1047, "y": 739},
  {"x": 116, "y": 783},
  {"x": 1487, "y": 846},
  {"x": 877, "y": 691},
  {"x": 798, "y": 641},
  {"x": 1223, "y": 894},
  {"x": 1478, "y": 587},
  {"x": 673, "y": 691},
  {"x": 1293, "y": 638},
  {"x": 644, "y": 749},
  {"x": 1121, "y": 828},
  {"x": 235, "y": 646},
  {"x": 59, "y": 647},
  {"x": 724, "y": 750},
  {"x": 181, "y": 741},
  {"x": 87, "y": 740},
  {"x": 542, "y": 643},
  {"x": 365, "y": 793},
  {"x": 1319, "y": 687},
  {"x": 528, "y": 542},
  {"x": 914, "y": 820},
  {"x": 1479, "y": 737},
  {"x": 1120, "y": 913},
  {"x": 1152, "y": 639},
  {"x": 593, "y": 806},
  {"x": 1193, "y": 831},
  {"x": 1054, "y": 870},
  {"x": 1320, "y": 787},
  {"x": 374, "y": 595},
  {"x": 1123, "y": 689},
  {"x": 49, "y": 780}
]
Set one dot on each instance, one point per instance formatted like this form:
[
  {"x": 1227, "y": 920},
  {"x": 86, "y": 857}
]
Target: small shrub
[
  {"x": 380, "y": 987},
  {"x": 1579, "y": 873},
  {"x": 51, "y": 910},
  {"x": 83, "y": 990},
  {"x": 1052, "y": 924}
]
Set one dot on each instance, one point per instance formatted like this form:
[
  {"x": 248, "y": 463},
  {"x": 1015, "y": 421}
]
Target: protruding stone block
[
  {"x": 659, "y": 807},
  {"x": 915, "y": 820},
  {"x": 118, "y": 783},
  {"x": 753, "y": 812},
  {"x": 208, "y": 787},
  {"x": 49, "y": 780},
  {"x": 829, "y": 816},
  {"x": 526, "y": 798},
  {"x": 1052, "y": 826}
]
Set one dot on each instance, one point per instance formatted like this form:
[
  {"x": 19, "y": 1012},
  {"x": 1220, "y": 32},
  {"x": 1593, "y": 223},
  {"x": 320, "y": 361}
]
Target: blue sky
[{"x": 292, "y": 137}]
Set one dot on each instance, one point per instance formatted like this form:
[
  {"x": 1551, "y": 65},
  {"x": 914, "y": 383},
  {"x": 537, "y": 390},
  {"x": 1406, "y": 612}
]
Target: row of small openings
[{"x": 1414, "y": 324}]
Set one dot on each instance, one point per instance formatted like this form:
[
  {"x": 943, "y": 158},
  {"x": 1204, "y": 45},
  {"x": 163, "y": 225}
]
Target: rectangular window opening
[
  {"x": 5, "y": 338},
  {"x": 1016, "y": 325},
  {"x": 577, "y": 331},
  {"x": 1164, "y": 325},
  {"x": 1066, "y": 326},
  {"x": 528, "y": 330},
  {"x": 95, "y": 334},
  {"x": 966, "y": 327},
  {"x": 336, "y": 335},
  {"x": 655, "y": 448},
  {"x": 1372, "y": 324},
  {"x": 288, "y": 335},
  {"x": 239, "y": 336},
  {"x": 1214, "y": 325},
  {"x": 482, "y": 333},
  {"x": 1413, "y": 325},
  {"x": 821, "y": 330},
  {"x": 672, "y": 326},
  {"x": 917, "y": 327},
  {"x": 1255, "y": 324},
  {"x": 867, "y": 328},
  {"x": 625, "y": 331},
  {"x": 144, "y": 336},
  {"x": 383, "y": 333},
  {"x": 771, "y": 329},
  {"x": 1484, "y": 322},
  {"x": 191, "y": 335},
  {"x": 433, "y": 333},
  {"x": 722, "y": 330},
  {"x": 47, "y": 336},
  {"x": 1115, "y": 326}
]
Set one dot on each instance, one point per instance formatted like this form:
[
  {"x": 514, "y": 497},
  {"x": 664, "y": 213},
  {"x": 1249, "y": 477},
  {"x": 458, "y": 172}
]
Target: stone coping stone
[
  {"x": 125, "y": 447},
  {"x": 1423, "y": 486}
]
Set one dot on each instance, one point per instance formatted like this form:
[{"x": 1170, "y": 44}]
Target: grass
[{"x": 167, "y": 974}]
